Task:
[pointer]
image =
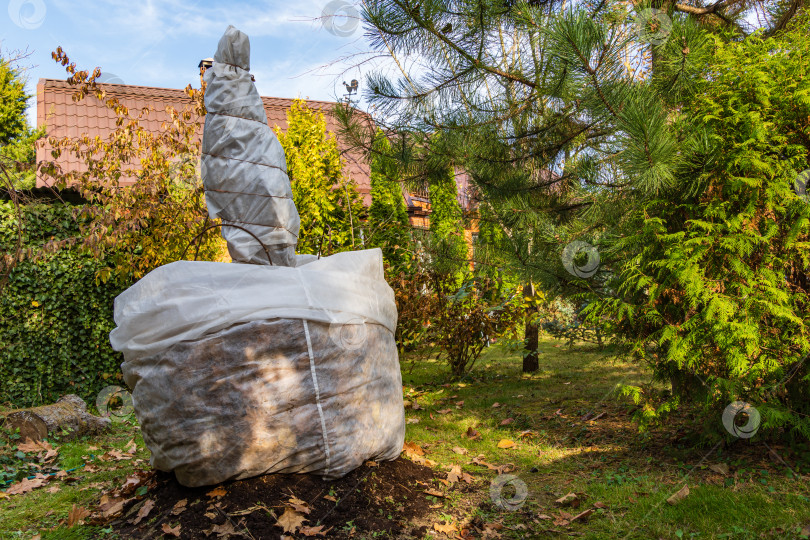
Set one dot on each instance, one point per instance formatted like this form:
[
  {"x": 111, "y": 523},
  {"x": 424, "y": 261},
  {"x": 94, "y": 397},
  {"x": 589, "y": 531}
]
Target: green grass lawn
[
  {"x": 623, "y": 476},
  {"x": 603, "y": 461}
]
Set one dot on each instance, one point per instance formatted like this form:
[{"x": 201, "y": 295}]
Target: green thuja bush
[
  {"x": 714, "y": 296},
  {"x": 55, "y": 315},
  {"x": 388, "y": 226},
  {"x": 446, "y": 240}
]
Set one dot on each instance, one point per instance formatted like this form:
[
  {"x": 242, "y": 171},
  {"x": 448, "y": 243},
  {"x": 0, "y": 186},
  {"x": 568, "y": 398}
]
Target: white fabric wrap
[
  {"x": 186, "y": 300},
  {"x": 238, "y": 370},
  {"x": 243, "y": 166}
]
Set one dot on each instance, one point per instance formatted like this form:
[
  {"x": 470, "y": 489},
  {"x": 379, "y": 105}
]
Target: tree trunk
[
  {"x": 68, "y": 413},
  {"x": 531, "y": 361}
]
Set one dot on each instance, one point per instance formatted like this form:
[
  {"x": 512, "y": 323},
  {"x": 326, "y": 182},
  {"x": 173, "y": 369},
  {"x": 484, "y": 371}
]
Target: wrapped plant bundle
[
  {"x": 243, "y": 167},
  {"x": 286, "y": 364}
]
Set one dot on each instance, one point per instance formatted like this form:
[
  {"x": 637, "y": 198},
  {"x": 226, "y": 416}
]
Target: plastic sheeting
[
  {"x": 243, "y": 166},
  {"x": 239, "y": 370}
]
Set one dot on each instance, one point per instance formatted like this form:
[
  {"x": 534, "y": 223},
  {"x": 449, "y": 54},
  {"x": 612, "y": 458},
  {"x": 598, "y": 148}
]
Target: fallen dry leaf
[
  {"x": 570, "y": 499},
  {"x": 460, "y": 450},
  {"x": 472, "y": 434},
  {"x": 218, "y": 492},
  {"x": 330, "y": 498},
  {"x": 112, "y": 507},
  {"x": 226, "y": 529},
  {"x": 479, "y": 460},
  {"x": 496, "y": 405},
  {"x": 290, "y": 520},
  {"x": 583, "y": 515},
  {"x": 507, "y": 421},
  {"x": 506, "y": 443},
  {"x": 720, "y": 468},
  {"x": 448, "y": 528},
  {"x": 131, "y": 482},
  {"x": 435, "y": 493},
  {"x": 313, "y": 531},
  {"x": 298, "y": 505},
  {"x": 445, "y": 411},
  {"x": 412, "y": 449},
  {"x": 423, "y": 461},
  {"x": 679, "y": 496},
  {"x": 25, "y": 485},
  {"x": 501, "y": 469},
  {"x": 599, "y": 505},
  {"x": 167, "y": 529},
  {"x": 30, "y": 446},
  {"x": 491, "y": 530},
  {"x": 459, "y": 404},
  {"x": 77, "y": 513},
  {"x": 115, "y": 454},
  {"x": 53, "y": 489},
  {"x": 454, "y": 474},
  {"x": 143, "y": 511},
  {"x": 544, "y": 516},
  {"x": 179, "y": 507}
]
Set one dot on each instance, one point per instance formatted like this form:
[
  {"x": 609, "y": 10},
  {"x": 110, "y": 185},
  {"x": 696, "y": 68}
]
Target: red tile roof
[{"x": 64, "y": 117}]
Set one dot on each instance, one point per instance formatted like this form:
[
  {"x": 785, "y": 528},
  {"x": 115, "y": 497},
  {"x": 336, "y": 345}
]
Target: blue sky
[{"x": 159, "y": 43}]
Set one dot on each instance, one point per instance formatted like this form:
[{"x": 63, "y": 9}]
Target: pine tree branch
[
  {"x": 694, "y": 10},
  {"x": 475, "y": 62},
  {"x": 784, "y": 19}
]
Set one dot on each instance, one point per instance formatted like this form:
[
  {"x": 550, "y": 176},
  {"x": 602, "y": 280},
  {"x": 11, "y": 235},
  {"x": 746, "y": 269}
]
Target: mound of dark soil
[{"x": 386, "y": 497}]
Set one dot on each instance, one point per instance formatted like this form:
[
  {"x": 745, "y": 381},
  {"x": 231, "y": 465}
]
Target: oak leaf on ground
[
  {"x": 290, "y": 520},
  {"x": 448, "y": 528}
]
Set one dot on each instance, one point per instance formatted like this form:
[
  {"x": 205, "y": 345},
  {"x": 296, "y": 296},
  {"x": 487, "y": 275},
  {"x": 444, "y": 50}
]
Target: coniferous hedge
[{"x": 714, "y": 292}]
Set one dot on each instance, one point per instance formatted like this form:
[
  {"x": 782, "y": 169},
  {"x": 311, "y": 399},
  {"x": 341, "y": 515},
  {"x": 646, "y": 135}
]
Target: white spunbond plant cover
[
  {"x": 186, "y": 300},
  {"x": 285, "y": 364},
  {"x": 243, "y": 166},
  {"x": 238, "y": 370}
]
